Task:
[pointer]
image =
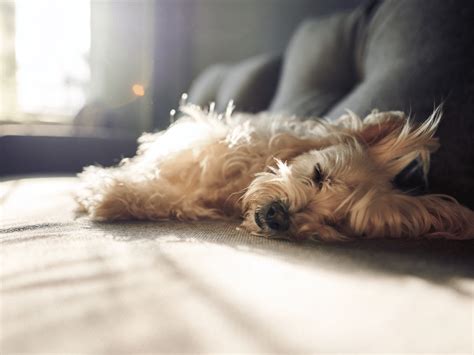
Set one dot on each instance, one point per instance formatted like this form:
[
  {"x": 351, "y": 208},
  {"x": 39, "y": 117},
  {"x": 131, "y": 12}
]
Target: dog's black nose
[{"x": 276, "y": 216}]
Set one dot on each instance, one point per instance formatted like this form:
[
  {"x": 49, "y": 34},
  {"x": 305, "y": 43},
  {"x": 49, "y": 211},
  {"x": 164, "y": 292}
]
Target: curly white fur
[{"x": 211, "y": 166}]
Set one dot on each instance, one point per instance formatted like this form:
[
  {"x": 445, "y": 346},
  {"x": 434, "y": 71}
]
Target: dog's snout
[{"x": 275, "y": 216}]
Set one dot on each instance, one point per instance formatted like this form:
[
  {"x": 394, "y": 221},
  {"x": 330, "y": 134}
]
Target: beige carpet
[{"x": 69, "y": 285}]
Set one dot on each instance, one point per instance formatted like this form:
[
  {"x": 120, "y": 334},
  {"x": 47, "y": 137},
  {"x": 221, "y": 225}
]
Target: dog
[{"x": 285, "y": 177}]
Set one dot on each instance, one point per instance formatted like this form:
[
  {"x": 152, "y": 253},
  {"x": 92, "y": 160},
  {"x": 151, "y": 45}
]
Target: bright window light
[{"x": 52, "y": 43}]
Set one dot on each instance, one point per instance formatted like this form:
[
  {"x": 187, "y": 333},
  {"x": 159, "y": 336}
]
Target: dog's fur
[{"x": 331, "y": 180}]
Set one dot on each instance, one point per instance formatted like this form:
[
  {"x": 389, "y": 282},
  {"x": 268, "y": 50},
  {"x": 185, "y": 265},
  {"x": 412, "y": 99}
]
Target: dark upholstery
[
  {"x": 409, "y": 55},
  {"x": 251, "y": 84},
  {"x": 319, "y": 67}
]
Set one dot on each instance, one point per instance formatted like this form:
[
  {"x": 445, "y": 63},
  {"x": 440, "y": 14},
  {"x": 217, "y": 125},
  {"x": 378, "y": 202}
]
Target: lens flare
[{"x": 138, "y": 90}]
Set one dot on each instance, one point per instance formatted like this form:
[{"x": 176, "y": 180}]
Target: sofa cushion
[
  {"x": 250, "y": 84},
  {"x": 71, "y": 285},
  {"x": 319, "y": 66},
  {"x": 414, "y": 54},
  {"x": 403, "y": 55}
]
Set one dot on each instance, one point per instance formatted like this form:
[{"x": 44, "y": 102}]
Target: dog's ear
[
  {"x": 394, "y": 141},
  {"x": 394, "y": 214}
]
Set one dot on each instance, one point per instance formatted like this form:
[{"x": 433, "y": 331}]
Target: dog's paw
[
  {"x": 325, "y": 233},
  {"x": 102, "y": 196}
]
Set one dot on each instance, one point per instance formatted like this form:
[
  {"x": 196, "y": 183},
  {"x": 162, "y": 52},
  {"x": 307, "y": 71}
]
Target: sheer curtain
[
  {"x": 46, "y": 60},
  {"x": 7, "y": 59},
  {"x": 57, "y": 56}
]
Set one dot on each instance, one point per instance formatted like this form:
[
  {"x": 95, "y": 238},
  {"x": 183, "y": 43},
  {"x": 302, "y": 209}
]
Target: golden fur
[{"x": 214, "y": 166}]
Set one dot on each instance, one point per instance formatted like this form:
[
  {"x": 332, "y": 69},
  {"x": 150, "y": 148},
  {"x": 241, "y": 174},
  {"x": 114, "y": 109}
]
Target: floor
[{"x": 71, "y": 285}]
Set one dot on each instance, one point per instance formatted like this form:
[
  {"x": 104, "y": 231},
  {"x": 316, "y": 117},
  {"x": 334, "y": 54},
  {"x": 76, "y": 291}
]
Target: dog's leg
[
  {"x": 446, "y": 217},
  {"x": 204, "y": 182},
  {"x": 167, "y": 191},
  {"x": 322, "y": 232},
  {"x": 398, "y": 215},
  {"x": 114, "y": 194}
]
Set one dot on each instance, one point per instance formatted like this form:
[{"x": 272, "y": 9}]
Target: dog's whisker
[
  {"x": 229, "y": 109},
  {"x": 183, "y": 100},
  {"x": 172, "y": 116}
]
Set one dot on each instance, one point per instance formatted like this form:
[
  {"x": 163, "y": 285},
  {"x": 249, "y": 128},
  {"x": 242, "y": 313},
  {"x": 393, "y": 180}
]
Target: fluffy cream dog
[{"x": 286, "y": 177}]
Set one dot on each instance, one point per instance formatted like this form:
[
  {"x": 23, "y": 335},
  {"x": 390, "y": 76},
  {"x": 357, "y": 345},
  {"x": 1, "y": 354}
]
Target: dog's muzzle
[{"x": 275, "y": 216}]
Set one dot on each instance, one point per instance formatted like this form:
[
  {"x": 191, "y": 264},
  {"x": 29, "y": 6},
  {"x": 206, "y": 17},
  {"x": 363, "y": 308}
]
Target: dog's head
[{"x": 345, "y": 189}]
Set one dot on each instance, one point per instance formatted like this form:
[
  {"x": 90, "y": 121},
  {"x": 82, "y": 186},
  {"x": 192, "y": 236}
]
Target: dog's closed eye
[{"x": 318, "y": 175}]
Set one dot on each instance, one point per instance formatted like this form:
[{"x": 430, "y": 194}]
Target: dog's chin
[
  {"x": 299, "y": 231},
  {"x": 264, "y": 231}
]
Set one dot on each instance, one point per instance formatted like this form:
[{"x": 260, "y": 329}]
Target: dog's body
[{"x": 284, "y": 176}]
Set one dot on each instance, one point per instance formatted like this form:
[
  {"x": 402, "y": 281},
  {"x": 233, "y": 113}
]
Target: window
[
  {"x": 45, "y": 59},
  {"x": 58, "y": 55}
]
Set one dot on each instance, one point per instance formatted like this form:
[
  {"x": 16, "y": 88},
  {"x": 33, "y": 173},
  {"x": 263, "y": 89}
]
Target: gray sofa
[
  {"x": 408, "y": 55},
  {"x": 68, "y": 285}
]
